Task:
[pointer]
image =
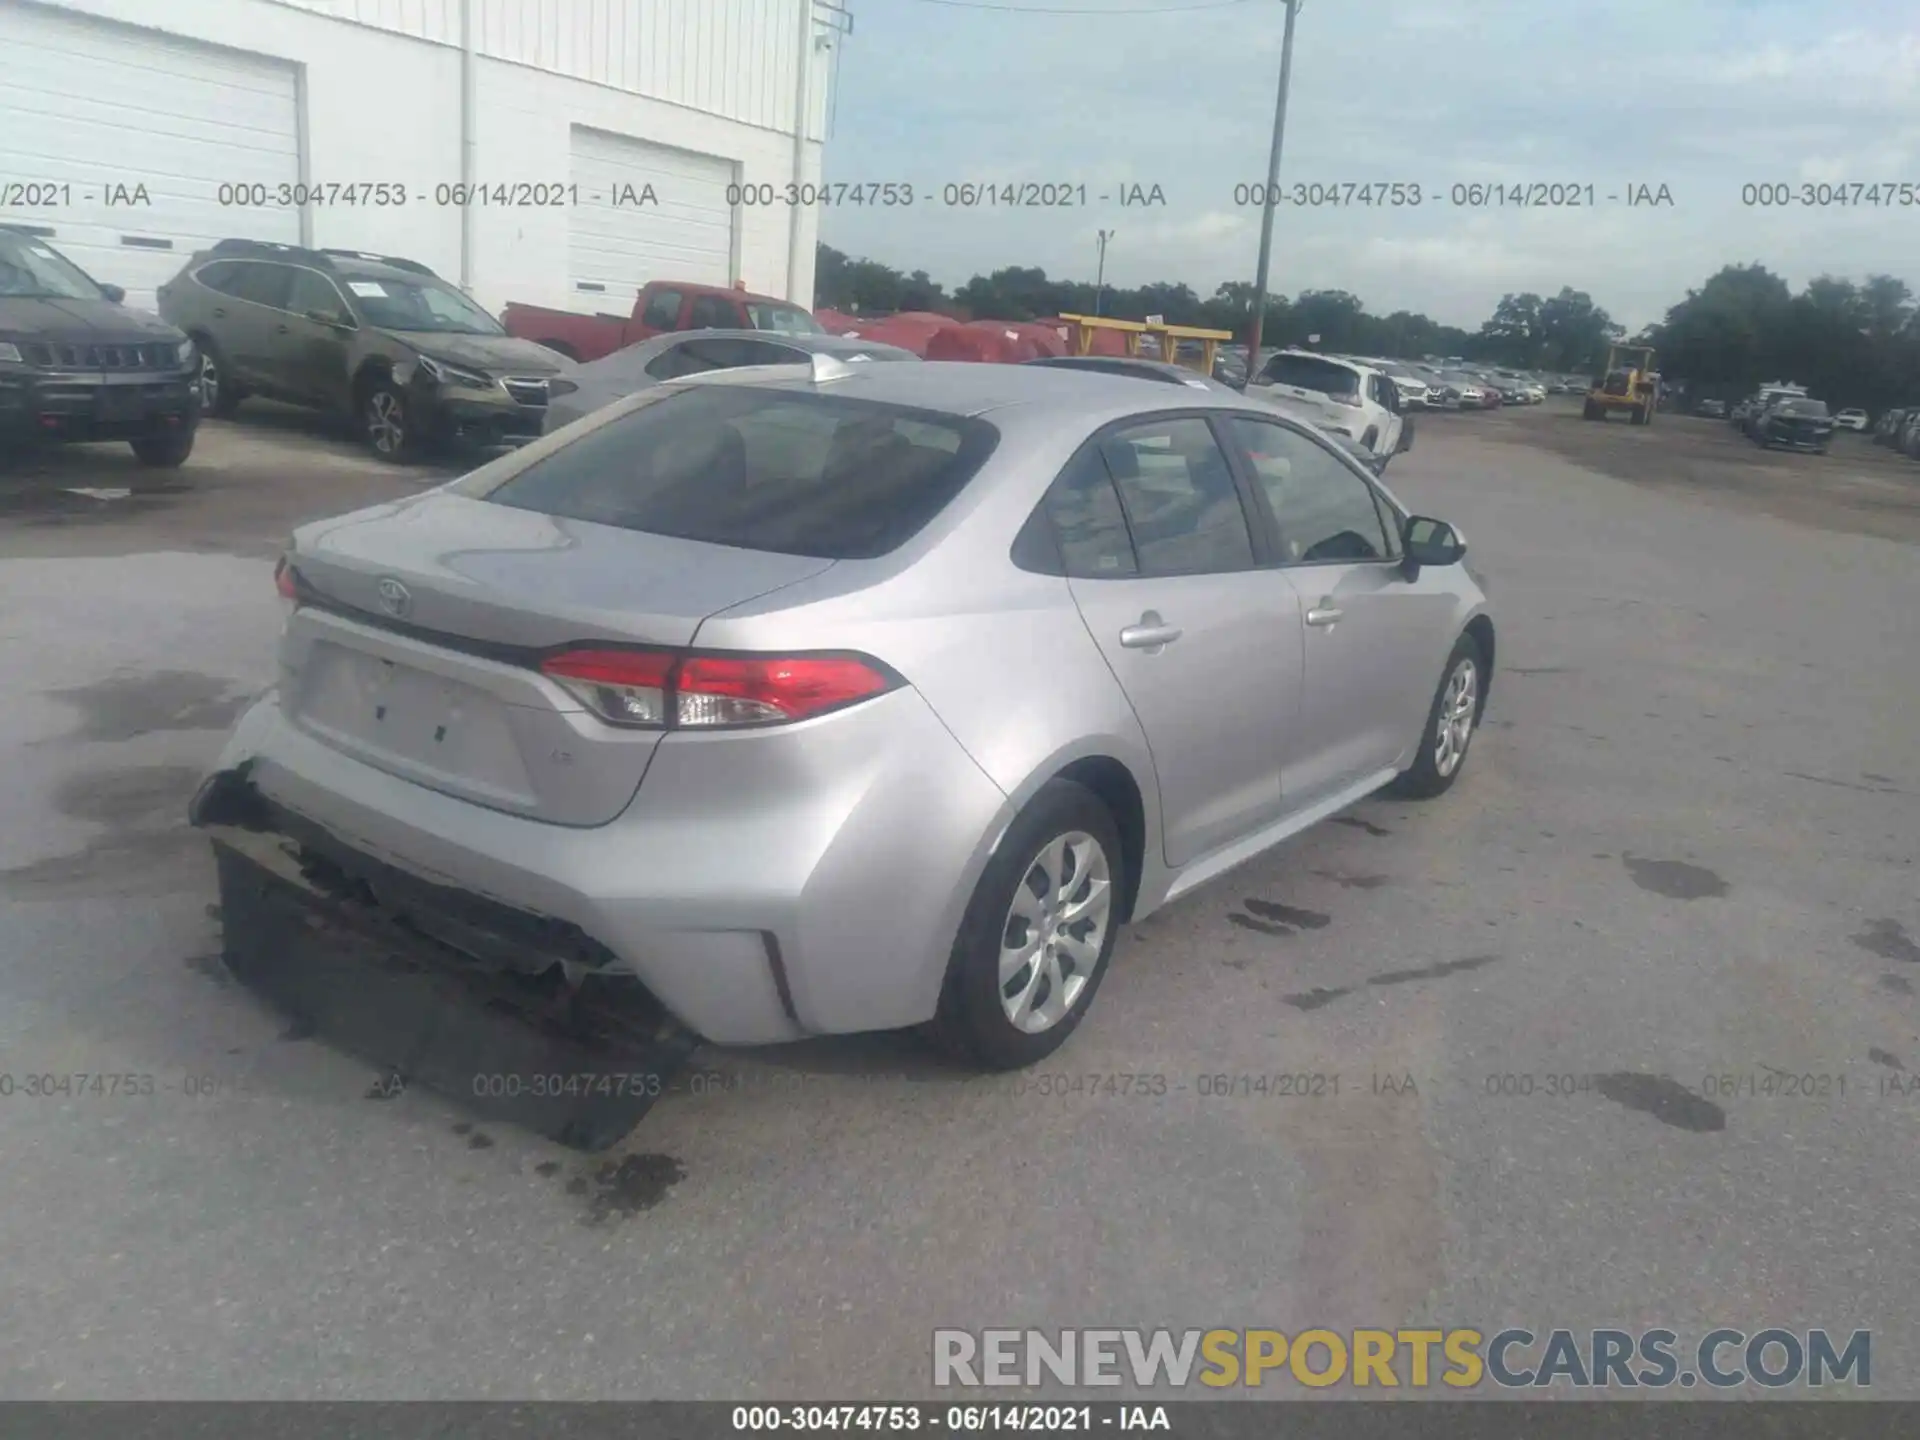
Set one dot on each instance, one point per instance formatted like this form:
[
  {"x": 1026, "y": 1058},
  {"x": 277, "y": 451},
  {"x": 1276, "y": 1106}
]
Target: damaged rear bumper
[{"x": 513, "y": 1016}]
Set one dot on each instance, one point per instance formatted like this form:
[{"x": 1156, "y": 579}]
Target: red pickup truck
[{"x": 661, "y": 306}]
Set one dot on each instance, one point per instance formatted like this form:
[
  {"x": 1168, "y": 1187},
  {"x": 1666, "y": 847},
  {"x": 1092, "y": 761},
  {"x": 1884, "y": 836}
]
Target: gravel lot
[{"x": 1684, "y": 848}]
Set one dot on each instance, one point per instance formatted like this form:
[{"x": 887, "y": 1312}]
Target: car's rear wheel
[
  {"x": 1451, "y": 721},
  {"x": 163, "y": 452},
  {"x": 1037, "y": 935},
  {"x": 219, "y": 395},
  {"x": 386, "y": 420}
]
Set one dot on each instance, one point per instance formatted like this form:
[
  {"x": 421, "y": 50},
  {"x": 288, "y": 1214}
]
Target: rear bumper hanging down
[{"x": 500, "y": 1011}]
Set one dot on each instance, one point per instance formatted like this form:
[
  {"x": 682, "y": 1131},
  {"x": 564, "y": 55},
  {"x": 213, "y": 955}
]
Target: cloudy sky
[{"x": 1702, "y": 96}]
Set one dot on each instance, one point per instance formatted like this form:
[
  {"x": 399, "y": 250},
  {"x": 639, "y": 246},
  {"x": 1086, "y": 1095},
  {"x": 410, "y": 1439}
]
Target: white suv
[
  {"x": 1355, "y": 400},
  {"x": 1851, "y": 420}
]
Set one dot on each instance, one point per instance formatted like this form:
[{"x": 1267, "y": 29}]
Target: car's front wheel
[
  {"x": 1037, "y": 935},
  {"x": 386, "y": 420},
  {"x": 1451, "y": 721}
]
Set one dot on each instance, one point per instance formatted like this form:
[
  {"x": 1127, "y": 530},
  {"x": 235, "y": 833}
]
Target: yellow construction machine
[{"x": 1630, "y": 384}]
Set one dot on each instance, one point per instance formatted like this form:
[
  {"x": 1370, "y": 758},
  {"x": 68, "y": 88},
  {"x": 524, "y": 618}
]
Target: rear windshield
[
  {"x": 790, "y": 472},
  {"x": 1310, "y": 372},
  {"x": 1813, "y": 409}
]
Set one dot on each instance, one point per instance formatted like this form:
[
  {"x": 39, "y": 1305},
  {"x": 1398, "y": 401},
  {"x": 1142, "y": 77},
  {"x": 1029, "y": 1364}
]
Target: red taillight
[
  {"x": 284, "y": 581},
  {"x": 758, "y": 690},
  {"x": 662, "y": 689}
]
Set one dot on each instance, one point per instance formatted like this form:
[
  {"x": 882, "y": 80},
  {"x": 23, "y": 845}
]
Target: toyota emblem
[{"x": 395, "y": 598}]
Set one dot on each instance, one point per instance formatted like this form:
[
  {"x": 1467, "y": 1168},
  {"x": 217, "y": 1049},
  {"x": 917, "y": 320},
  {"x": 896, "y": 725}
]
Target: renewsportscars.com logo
[{"x": 1393, "y": 1359}]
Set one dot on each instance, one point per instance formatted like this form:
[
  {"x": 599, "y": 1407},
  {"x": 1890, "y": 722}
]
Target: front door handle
[
  {"x": 279, "y": 329},
  {"x": 219, "y": 314},
  {"x": 1325, "y": 613},
  {"x": 1151, "y": 633}
]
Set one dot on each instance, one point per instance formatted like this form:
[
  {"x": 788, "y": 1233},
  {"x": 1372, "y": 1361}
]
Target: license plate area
[
  {"x": 117, "y": 403},
  {"x": 428, "y": 727}
]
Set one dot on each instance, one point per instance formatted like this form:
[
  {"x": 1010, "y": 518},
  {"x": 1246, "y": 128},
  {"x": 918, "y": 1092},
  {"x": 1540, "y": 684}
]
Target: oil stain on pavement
[
  {"x": 143, "y": 814},
  {"x": 1889, "y": 940},
  {"x": 1270, "y": 917},
  {"x": 625, "y": 1187},
  {"x": 1884, "y": 1057},
  {"x": 1675, "y": 879},
  {"x": 1354, "y": 822},
  {"x": 1667, "y": 1101},
  {"x": 123, "y": 707},
  {"x": 1318, "y": 997}
]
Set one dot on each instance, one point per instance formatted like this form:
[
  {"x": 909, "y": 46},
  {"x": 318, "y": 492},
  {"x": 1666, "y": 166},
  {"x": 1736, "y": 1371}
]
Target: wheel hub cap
[
  {"x": 1454, "y": 726},
  {"x": 1055, "y": 930}
]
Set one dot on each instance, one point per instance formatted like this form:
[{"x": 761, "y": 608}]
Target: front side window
[
  {"x": 31, "y": 269},
  {"x": 1322, "y": 511},
  {"x": 711, "y": 312},
  {"x": 312, "y": 293},
  {"x": 782, "y": 319}
]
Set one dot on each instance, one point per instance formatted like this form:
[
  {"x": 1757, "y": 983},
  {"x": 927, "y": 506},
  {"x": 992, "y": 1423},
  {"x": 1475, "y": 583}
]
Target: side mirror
[
  {"x": 113, "y": 294},
  {"x": 1430, "y": 542},
  {"x": 327, "y": 317}
]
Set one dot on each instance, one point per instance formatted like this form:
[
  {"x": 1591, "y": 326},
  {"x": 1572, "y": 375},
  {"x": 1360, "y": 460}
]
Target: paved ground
[{"x": 1684, "y": 847}]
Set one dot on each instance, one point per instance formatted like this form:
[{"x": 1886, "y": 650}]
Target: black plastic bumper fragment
[{"x": 579, "y": 1059}]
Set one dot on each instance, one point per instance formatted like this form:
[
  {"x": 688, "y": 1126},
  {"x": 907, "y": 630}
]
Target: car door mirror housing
[
  {"x": 327, "y": 317},
  {"x": 1426, "y": 541},
  {"x": 113, "y": 294}
]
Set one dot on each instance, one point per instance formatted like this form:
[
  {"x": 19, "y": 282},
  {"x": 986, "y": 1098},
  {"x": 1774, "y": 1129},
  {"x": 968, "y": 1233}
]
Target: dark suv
[
  {"x": 74, "y": 365},
  {"x": 379, "y": 340}
]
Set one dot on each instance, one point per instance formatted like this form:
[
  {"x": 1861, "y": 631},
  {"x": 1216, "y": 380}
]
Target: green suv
[{"x": 381, "y": 341}]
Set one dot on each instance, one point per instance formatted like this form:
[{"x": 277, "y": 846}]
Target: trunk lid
[{"x": 419, "y": 653}]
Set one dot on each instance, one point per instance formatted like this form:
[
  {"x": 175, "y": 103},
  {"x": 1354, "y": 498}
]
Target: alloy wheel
[
  {"x": 1055, "y": 931},
  {"x": 1454, "y": 726},
  {"x": 386, "y": 422}
]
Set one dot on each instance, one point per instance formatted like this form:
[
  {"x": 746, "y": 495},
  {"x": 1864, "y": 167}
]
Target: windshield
[
  {"x": 419, "y": 305},
  {"x": 783, "y": 319},
  {"x": 31, "y": 269}
]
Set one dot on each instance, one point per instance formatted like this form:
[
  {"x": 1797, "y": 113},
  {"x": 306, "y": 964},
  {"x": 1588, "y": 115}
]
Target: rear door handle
[
  {"x": 219, "y": 314},
  {"x": 279, "y": 329},
  {"x": 1325, "y": 613},
  {"x": 1150, "y": 633}
]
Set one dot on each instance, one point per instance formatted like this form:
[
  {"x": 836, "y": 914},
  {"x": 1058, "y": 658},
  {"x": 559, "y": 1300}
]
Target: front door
[
  {"x": 1205, "y": 643},
  {"x": 1374, "y": 639}
]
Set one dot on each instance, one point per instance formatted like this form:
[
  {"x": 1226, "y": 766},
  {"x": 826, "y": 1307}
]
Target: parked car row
[{"x": 1900, "y": 430}]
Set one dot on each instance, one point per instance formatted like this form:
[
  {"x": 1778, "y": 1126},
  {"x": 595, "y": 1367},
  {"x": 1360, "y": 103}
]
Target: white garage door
[
  {"x": 90, "y": 111},
  {"x": 615, "y": 248}
]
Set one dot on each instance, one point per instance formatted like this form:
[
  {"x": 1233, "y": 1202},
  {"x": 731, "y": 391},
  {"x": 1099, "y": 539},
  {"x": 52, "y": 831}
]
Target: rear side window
[
  {"x": 261, "y": 283},
  {"x": 793, "y": 473},
  {"x": 663, "y": 311},
  {"x": 1310, "y": 372}
]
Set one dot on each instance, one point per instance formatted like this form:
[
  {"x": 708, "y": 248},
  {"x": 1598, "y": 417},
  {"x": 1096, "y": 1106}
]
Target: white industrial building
[{"x": 137, "y": 131}]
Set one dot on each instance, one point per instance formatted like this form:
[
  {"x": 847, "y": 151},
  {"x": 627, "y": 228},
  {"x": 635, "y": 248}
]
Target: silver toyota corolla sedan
[{"x": 842, "y": 698}]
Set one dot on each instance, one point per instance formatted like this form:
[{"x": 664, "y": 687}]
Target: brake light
[
  {"x": 661, "y": 689},
  {"x": 286, "y": 582}
]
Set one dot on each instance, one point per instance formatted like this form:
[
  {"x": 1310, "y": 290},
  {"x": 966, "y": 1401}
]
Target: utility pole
[
  {"x": 1100, "y": 281},
  {"x": 1272, "y": 194}
]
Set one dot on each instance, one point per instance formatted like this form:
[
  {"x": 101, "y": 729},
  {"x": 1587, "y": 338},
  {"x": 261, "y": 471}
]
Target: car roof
[
  {"x": 1019, "y": 393},
  {"x": 812, "y": 344}
]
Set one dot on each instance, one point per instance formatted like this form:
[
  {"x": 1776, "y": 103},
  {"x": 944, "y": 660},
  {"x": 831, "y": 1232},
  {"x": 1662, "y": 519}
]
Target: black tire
[
  {"x": 385, "y": 421},
  {"x": 163, "y": 452},
  {"x": 220, "y": 396},
  {"x": 972, "y": 1025},
  {"x": 1425, "y": 778}
]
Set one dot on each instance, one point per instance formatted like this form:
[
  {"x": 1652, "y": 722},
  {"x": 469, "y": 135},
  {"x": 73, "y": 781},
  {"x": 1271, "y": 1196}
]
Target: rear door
[
  {"x": 309, "y": 356},
  {"x": 1374, "y": 641},
  {"x": 1206, "y": 643},
  {"x": 245, "y": 326}
]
